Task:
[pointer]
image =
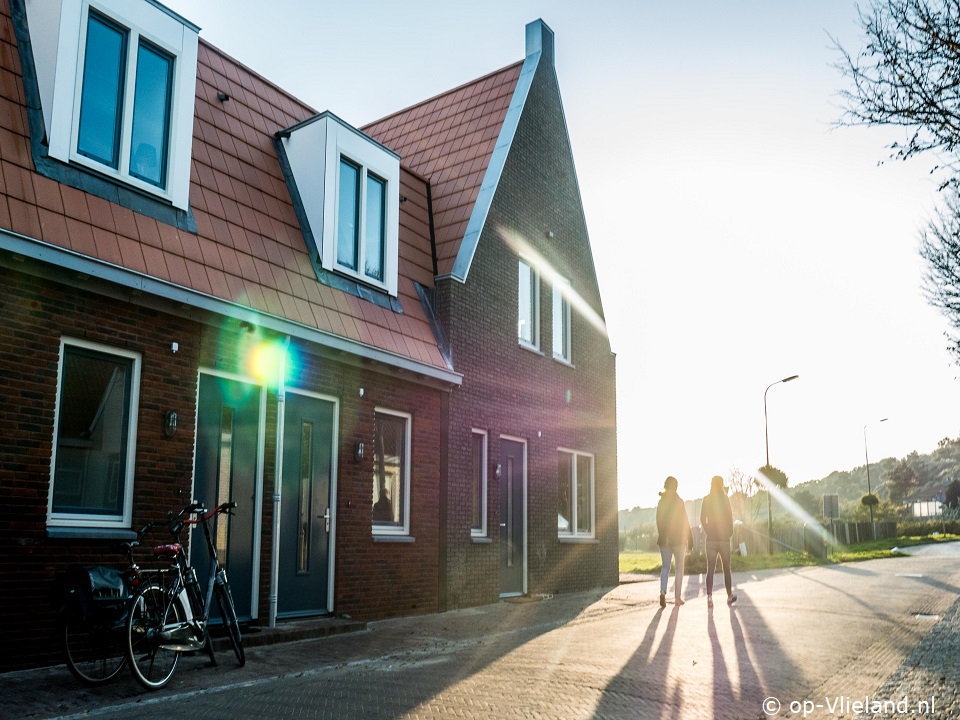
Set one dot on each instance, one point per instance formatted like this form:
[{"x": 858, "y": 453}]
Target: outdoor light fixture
[
  {"x": 358, "y": 452},
  {"x": 766, "y": 437},
  {"x": 170, "y": 423},
  {"x": 496, "y": 472}
]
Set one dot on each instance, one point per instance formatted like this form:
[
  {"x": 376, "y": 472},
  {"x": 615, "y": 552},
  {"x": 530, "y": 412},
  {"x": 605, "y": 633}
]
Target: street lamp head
[{"x": 792, "y": 377}]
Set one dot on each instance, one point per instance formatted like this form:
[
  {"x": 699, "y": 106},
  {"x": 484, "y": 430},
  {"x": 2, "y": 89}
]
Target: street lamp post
[
  {"x": 866, "y": 457},
  {"x": 766, "y": 432}
]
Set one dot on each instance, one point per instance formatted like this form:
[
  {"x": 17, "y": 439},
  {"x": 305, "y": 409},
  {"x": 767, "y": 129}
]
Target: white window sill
[
  {"x": 530, "y": 348},
  {"x": 563, "y": 361},
  {"x": 578, "y": 539},
  {"x": 394, "y": 538},
  {"x": 481, "y": 539}
]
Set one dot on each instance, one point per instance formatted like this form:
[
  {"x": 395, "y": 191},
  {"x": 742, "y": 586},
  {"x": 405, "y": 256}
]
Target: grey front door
[
  {"x": 228, "y": 448},
  {"x": 305, "y": 512},
  {"x": 512, "y": 515}
]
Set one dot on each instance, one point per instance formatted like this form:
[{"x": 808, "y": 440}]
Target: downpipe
[{"x": 277, "y": 484}]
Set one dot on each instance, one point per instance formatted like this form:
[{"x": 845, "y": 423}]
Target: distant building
[{"x": 929, "y": 502}]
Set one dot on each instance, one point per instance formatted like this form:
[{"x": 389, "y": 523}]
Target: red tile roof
[
  {"x": 449, "y": 140},
  {"x": 249, "y": 248}
]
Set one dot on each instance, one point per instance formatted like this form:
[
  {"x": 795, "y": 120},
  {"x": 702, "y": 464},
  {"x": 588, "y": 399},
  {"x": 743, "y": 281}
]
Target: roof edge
[
  {"x": 539, "y": 46},
  {"x": 77, "y": 263}
]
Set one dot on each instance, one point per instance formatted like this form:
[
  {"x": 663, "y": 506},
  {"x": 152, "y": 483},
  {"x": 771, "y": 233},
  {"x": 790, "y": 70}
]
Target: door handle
[
  {"x": 503, "y": 524},
  {"x": 326, "y": 519}
]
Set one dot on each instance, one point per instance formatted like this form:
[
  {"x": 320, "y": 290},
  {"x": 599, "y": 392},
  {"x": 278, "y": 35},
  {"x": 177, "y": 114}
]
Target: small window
[
  {"x": 528, "y": 321},
  {"x": 478, "y": 483},
  {"x": 391, "y": 473},
  {"x": 361, "y": 222},
  {"x": 94, "y": 436},
  {"x": 575, "y": 493},
  {"x": 561, "y": 321}
]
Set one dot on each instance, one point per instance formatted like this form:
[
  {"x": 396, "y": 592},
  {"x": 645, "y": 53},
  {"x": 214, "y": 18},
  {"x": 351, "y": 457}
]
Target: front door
[
  {"x": 513, "y": 553},
  {"x": 227, "y": 461},
  {"x": 305, "y": 511}
]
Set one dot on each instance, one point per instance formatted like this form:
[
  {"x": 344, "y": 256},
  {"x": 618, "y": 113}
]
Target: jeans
[
  {"x": 721, "y": 548},
  {"x": 676, "y": 552}
]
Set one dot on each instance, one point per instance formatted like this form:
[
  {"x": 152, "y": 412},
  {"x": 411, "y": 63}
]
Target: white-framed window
[
  {"x": 391, "y": 472},
  {"x": 478, "y": 483},
  {"x": 528, "y": 309},
  {"x": 349, "y": 185},
  {"x": 561, "y": 321},
  {"x": 95, "y": 430},
  {"x": 575, "y": 494},
  {"x": 117, "y": 81}
]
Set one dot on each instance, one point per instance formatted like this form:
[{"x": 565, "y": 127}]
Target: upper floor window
[
  {"x": 94, "y": 436},
  {"x": 561, "y": 321},
  {"x": 361, "y": 221},
  {"x": 478, "y": 483},
  {"x": 349, "y": 186},
  {"x": 391, "y": 473},
  {"x": 528, "y": 313},
  {"x": 117, "y": 81},
  {"x": 575, "y": 492}
]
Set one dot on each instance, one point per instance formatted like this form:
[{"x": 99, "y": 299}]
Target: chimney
[{"x": 540, "y": 40}]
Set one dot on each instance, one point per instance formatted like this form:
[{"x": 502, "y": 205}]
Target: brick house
[{"x": 208, "y": 289}]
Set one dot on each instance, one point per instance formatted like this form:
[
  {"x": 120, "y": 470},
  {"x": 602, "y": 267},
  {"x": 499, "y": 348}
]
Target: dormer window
[
  {"x": 349, "y": 188},
  {"x": 361, "y": 221},
  {"x": 130, "y": 138},
  {"x": 117, "y": 81}
]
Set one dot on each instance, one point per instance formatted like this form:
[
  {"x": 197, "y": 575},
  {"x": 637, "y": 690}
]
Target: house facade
[{"x": 209, "y": 290}]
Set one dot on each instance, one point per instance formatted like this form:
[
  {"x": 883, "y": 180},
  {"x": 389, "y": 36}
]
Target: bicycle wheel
[
  {"x": 150, "y": 613},
  {"x": 94, "y": 648},
  {"x": 229, "y": 615}
]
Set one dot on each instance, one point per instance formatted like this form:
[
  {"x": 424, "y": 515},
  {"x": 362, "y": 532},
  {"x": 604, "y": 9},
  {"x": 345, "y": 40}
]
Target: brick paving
[{"x": 807, "y": 637}]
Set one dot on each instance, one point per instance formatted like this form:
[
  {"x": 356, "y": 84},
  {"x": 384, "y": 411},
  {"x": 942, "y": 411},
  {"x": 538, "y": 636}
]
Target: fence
[{"x": 804, "y": 538}]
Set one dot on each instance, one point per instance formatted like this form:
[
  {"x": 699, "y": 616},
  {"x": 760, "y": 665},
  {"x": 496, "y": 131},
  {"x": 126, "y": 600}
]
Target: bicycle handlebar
[{"x": 197, "y": 508}]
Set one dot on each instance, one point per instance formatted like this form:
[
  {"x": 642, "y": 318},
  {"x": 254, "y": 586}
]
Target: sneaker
[
  {"x": 663, "y": 600},
  {"x": 709, "y": 600},
  {"x": 731, "y": 598}
]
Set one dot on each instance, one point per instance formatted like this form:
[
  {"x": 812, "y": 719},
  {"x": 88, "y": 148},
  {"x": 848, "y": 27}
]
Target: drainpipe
[{"x": 277, "y": 484}]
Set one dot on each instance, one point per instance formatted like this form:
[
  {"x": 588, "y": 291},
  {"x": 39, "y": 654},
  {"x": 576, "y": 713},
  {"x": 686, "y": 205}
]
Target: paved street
[{"x": 815, "y": 639}]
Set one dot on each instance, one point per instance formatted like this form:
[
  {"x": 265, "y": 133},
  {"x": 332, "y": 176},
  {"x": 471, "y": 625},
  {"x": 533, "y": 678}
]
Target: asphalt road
[{"x": 813, "y": 639}]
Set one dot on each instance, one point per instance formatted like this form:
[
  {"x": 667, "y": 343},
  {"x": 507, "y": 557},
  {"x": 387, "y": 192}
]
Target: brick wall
[
  {"x": 36, "y": 314},
  {"x": 512, "y": 391}
]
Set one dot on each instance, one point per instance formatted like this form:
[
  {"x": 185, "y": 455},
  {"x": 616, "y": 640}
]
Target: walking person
[
  {"x": 716, "y": 518},
  {"x": 673, "y": 537}
]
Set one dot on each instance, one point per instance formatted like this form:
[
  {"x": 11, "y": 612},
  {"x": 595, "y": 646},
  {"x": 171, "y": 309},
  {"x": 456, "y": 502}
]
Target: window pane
[
  {"x": 92, "y": 427},
  {"x": 389, "y": 463},
  {"x": 526, "y": 323},
  {"x": 101, "y": 99},
  {"x": 564, "y": 484},
  {"x": 151, "y": 115},
  {"x": 561, "y": 325},
  {"x": 348, "y": 215},
  {"x": 304, "y": 530},
  {"x": 584, "y": 494},
  {"x": 477, "y": 480},
  {"x": 224, "y": 479},
  {"x": 375, "y": 224}
]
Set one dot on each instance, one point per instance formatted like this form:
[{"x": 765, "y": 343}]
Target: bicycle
[
  {"x": 165, "y": 621},
  {"x": 94, "y": 616}
]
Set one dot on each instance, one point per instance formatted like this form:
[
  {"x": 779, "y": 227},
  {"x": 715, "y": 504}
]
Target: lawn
[{"x": 648, "y": 563}]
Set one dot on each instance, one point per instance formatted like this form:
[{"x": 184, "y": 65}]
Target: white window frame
[
  {"x": 59, "y": 47},
  {"x": 314, "y": 149},
  {"x": 83, "y": 519},
  {"x": 562, "y": 315},
  {"x": 484, "y": 460},
  {"x": 573, "y": 533},
  {"x": 404, "y": 528},
  {"x": 533, "y": 343}
]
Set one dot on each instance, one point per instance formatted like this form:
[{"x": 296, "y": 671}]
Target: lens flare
[
  {"x": 786, "y": 502},
  {"x": 269, "y": 361}
]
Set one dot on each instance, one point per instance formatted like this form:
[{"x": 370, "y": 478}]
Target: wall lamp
[
  {"x": 170, "y": 423},
  {"x": 358, "y": 452}
]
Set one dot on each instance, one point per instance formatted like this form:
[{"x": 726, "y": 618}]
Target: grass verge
[{"x": 648, "y": 563}]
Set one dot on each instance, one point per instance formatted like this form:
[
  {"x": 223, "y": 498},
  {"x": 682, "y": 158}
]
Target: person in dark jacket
[
  {"x": 673, "y": 537},
  {"x": 716, "y": 518}
]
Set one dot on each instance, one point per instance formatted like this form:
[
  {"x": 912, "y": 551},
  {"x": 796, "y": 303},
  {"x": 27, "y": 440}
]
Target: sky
[{"x": 739, "y": 236}]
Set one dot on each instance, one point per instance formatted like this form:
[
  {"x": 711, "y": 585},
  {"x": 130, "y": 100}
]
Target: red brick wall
[
  {"x": 35, "y": 315},
  {"x": 512, "y": 391}
]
